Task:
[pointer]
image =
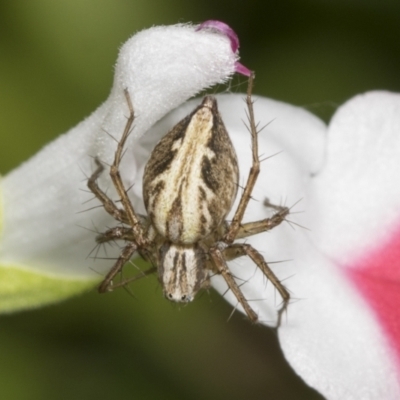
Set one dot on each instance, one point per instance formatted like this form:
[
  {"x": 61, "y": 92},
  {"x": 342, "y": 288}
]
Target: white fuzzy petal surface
[
  {"x": 45, "y": 226},
  {"x": 359, "y": 184},
  {"x": 329, "y": 335},
  {"x": 295, "y": 140}
]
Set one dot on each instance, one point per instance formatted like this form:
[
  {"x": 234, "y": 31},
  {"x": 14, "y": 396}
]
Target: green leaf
[{"x": 22, "y": 289}]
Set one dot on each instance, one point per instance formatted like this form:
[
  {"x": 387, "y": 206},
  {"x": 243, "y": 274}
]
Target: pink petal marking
[
  {"x": 377, "y": 278},
  {"x": 241, "y": 69},
  {"x": 226, "y": 30},
  {"x": 222, "y": 28}
]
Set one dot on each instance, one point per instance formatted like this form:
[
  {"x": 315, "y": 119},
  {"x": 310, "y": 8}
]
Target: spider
[{"x": 190, "y": 183}]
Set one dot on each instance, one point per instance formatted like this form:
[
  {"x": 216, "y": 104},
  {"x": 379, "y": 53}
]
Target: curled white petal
[
  {"x": 43, "y": 228},
  {"x": 330, "y": 336},
  {"x": 333, "y": 337}
]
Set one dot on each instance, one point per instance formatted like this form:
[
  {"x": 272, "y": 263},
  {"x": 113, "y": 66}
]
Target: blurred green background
[{"x": 56, "y": 67}]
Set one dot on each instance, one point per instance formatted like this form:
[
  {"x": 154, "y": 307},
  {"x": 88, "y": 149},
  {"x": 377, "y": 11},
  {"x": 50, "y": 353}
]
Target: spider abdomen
[{"x": 190, "y": 180}]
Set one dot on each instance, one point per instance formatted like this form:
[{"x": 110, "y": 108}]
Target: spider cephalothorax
[{"x": 189, "y": 186}]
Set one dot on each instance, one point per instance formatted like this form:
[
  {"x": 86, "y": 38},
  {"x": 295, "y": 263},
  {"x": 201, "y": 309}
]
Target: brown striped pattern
[{"x": 190, "y": 181}]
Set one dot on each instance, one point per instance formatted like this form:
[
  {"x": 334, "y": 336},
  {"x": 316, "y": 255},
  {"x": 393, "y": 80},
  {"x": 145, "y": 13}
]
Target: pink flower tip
[{"x": 226, "y": 30}]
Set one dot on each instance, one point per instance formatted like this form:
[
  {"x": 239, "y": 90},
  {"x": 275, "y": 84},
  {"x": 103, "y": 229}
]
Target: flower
[
  {"x": 342, "y": 328},
  {"x": 45, "y": 238},
  {"x": 341, "y": 332}
]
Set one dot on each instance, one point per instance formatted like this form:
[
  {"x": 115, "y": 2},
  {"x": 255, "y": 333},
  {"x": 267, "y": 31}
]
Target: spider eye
[
  {"x": 170, "y": 295},
  {"x": 183, "y": 298}
]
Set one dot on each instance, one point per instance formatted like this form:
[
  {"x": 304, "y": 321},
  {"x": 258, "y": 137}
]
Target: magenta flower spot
[
  {"x": 376, "y": 276},
  {"x": 342, "y": 331},
  {"x": 222, "y": 28},
  {"x": 156, "y": 67},
  {"x": 226, "y": 30},
  {"x": 241, "y": 69}
]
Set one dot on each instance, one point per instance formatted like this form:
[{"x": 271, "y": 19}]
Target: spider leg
[
  {"x": 124, "y": 257},
  {"x": 253, "y": 173},
  {"x": 252, "y": 228},
  {"x": 117, "y": 233},
  {"x": 241, "y": 249},
  {"x": 126, "y": 234},
  {"x": 123, "y": 233},
  {"x": 134, "y": 220},
  {"x": 142, "y": 274},
  {"x": 108, "y": 204},
  {"x": 220, "y": 263}
]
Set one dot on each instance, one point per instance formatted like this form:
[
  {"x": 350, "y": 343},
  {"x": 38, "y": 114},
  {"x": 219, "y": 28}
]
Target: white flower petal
[
  {"x": 360, "y": 182},
  {"x": 331, "y": 335},
  {"x": 42, "y": 227},
  {"x": 295, "y": 140},
  {"x": 338, "y": 338}
]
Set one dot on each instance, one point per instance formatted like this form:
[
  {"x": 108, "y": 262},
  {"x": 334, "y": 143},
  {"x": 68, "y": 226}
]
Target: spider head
[{"x": 182, "y": 271}]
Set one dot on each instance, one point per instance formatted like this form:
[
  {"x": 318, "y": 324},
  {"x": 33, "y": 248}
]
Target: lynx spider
[{"x": 185, "y": 250}]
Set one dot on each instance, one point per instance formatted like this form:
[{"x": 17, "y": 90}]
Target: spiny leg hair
[
  {"x": 135, "y": 234},
  {"x": 237, "y": 230},
  {"x": 137, "y": 240}
]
